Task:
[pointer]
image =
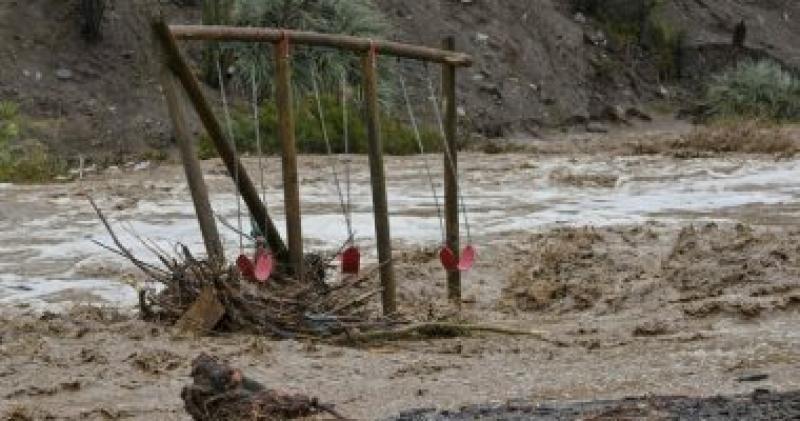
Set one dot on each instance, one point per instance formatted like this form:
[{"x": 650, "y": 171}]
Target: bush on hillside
[
  {"x": 22, "y": 161},
  {"x": 755, "y": 89},
  {"x": 350, "y": 17},
  {"x": 398, "y": 137},
  {"x": 639, "y": 23}
]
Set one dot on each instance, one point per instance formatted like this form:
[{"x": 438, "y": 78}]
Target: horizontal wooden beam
[{"x": 358, "y": 44}]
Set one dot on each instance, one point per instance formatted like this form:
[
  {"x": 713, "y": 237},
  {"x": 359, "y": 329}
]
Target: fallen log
[
  {"x": 433, "y": 330},
  {"x": 220, "y": 392}
]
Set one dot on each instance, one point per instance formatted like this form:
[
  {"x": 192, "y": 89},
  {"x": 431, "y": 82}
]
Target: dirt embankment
[{"x": 536, "y": 64}]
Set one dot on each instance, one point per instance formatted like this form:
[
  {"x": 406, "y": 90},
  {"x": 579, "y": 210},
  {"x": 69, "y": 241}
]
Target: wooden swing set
[{"x": 176, "y": 71}]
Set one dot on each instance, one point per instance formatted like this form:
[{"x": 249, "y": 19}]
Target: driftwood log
[{"x": 220, "y": 392}]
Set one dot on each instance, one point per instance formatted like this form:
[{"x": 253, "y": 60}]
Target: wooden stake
[
  {"x": 194, "y": 174},
  {"x": 378, "y": 180},
  {"x": 291, "y": 185},
  {"x": 451, "y": 170},
  {"x": 248, "y": 190}
]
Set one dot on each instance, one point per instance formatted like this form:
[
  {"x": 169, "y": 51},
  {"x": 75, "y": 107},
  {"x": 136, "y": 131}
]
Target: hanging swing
[
  {"x": 447, "y": 256},
  {"x": 350, "y": 255},
  {"x": 261, "y": 266},
  {"x": 468, "y": 254},
  {"x": 264, "y": 261}
]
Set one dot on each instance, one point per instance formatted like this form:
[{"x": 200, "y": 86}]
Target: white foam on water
[{"x": 505, "y": 195}]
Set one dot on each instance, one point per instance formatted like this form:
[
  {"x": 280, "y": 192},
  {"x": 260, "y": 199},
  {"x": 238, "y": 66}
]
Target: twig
[
  {"x": 228, "y": 225},
  {"x": 119, "y": 253},
  {"x": 358, "y": 300}
]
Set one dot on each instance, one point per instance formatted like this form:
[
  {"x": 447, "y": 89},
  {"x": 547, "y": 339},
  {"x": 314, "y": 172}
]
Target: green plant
[
  {"x": 349, "y": 17},
  {"x": 666, "y": 42},
  {"x": 755, "y": 89},
  {"x": 640, "y": 23},
  {"x": 9, "y": 125},
  {"x": 398, "y": 137},
  {"x": 22, "y": 162}
]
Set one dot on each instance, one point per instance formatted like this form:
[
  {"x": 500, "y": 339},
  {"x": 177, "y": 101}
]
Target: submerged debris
[{"x": 220, "y": 392}]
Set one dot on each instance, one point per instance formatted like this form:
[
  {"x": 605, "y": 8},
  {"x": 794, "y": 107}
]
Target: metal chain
[
  {"x": 448, "y": 153},
  {"x": 415, "y": 126},
  {"x": 259, "y": 148},
  {"x": 334, "y": 169},
  {"x": 232, "y": 140}
]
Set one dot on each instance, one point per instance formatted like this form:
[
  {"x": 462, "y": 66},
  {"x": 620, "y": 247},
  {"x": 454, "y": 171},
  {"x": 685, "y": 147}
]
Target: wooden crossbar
[{"x": 347, "y": 42}]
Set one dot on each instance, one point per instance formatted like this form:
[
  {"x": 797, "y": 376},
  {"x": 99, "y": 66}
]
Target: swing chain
[
  {"x": 329, "y": 149},
  {"x": 448, "y": 153},
  {"x": 421, "y": 146},
  {"x": 232, "y": 140}
]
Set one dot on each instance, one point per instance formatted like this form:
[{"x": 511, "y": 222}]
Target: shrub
[
  {"x": 755, "y": 89},
  {"x": 639, "y": 22},
  {"x": 91, "y": 14},
  {"x": 398, "y": 137},
  {"x": 22, "y": 162},
  {"x": 9, "y": 125},
  {"x": 349, "y": 17}
]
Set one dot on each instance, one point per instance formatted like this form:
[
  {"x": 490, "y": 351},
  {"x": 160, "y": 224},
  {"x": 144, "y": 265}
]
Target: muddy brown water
[{"x": 686, "y": 281}]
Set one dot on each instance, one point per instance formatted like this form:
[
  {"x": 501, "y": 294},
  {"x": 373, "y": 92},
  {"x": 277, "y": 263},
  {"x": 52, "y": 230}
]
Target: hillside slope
[{"x": 535, "y": 65}]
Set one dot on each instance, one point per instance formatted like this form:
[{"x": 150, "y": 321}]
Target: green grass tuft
[
  {"x": 755, "y": 89},
  {"x": 20, "y": 161}
]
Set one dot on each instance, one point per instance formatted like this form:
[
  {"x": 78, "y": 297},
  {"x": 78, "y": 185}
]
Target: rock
[
  {"x": 633, "y": 112},
  {"x": 598, "y": 38},
  {"x": 596, "y": 127},
  {"x": 64, "y": 74},
  {"x": 141, "y": 166},
  {"x": 755, "y": 377},
  {"x": 614, "y": 113}
]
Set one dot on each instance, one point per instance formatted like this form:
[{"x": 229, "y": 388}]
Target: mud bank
[{"x": 631, "y": 336}]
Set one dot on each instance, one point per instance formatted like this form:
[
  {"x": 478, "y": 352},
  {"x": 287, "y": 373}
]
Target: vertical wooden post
[
  {"x": 378, "y": 180},
  {"x": 191, "y": 85},
  {"x": 451, "y": 170},
  {"x": 194, "y": 174},
  {"x": 291, "y": 185}
]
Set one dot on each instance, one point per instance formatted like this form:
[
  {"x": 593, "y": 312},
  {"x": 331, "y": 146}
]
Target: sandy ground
[{"x": 680, "y": 277}]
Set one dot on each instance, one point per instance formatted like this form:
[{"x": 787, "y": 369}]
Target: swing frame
[{"x": 177, "y": 72}]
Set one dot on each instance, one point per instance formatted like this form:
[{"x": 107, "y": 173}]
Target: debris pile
[{"x": 220, "y": 392}]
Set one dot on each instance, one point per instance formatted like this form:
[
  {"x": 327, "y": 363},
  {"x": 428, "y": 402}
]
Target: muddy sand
[{"x": 702, "y": 310}]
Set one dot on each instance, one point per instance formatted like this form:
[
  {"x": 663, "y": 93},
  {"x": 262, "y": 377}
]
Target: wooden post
[
  {"x": 378, "y": 180},
  {"x": 194, "y": 174},
  {"x": 291, "y": 185},
  {"x": 451, "y": 170},
  {"x": 248, "y": 190}
]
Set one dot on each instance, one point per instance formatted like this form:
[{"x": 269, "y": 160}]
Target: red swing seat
[
  {"x": 246, "y": 267},
  {"x": 259, "y": 268},
  {"x": 452, "y": 264},
  {"x": 351, "y": 260}
]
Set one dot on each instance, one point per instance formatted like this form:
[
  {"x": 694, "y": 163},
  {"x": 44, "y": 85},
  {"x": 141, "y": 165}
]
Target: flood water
[{"x": 47, "y": 257}]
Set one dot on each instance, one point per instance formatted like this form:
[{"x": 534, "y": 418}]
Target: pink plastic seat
[
  {"x": 264, "y": 265},
  {"x": 452, "y": 264}
]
